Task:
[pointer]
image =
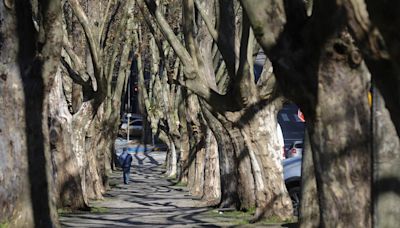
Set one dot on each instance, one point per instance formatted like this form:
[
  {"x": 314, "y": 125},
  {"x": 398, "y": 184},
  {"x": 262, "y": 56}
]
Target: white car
[
  {"x": 292, "y": 177},
  {"x": 296, "y": 149},
  {"x": 135, "y": 128}
]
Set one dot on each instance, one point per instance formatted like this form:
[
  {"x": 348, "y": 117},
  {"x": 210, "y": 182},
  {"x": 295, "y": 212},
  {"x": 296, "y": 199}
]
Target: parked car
[
  {"x": 135, "y": 128},
  {"x": 292, "y": 177},
  {"x": 124, "y": 117},
  {"x": 281, "y": 141},
  {"x": 295, "y": 149}
]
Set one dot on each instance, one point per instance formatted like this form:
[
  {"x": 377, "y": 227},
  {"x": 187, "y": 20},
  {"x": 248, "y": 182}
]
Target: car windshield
[
  {"x": 137, "y": 123},
  {"x": 299, "y": 145}
]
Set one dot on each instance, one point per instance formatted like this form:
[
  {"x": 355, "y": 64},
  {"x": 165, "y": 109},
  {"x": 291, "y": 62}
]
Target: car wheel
[{"x": 295, "y": 196}]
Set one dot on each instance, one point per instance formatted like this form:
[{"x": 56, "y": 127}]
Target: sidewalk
[{"x": 150, "y": 200}]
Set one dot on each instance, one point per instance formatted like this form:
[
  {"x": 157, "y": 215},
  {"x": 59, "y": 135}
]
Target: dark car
[
  {"x": 135, "y": 128},
  {"x": 292, "y": 177}
]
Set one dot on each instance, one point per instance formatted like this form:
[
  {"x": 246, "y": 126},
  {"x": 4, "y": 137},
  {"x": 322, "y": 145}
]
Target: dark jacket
[{"x": 125, "y": 159}]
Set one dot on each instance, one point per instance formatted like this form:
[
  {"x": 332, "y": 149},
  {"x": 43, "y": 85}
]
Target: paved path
[{"x": 150, "y": 200}]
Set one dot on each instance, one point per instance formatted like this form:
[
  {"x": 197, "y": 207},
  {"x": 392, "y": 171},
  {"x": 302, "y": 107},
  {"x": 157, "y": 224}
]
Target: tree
[
  {"x": 322, "y": 57},
  {"x": 30, "y": 49},
  {"x": 259, "y": 169},
  {"x": 84, "y": 123}
]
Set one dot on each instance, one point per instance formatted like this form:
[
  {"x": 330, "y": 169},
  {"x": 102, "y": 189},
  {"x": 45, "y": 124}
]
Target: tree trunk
[
  {"x": 246, "y": 184},
  {"x": 309, "y": 209},
  {"x": 66, "y": 172},
  {"x": 227, "y": 163},
  {"x": 340, "y": 137},
  {"x": 261, "y": 140},
  {"x": 212, "y": 185},
  {"x": 185, "y": 147},
  {"x": 26, "y": 73},
  {"x": 386, "y": 166},
  {"x": 172, "y": 159},
  {"x": 97, "y": 142},
  {"x": 199, "y": 166}
]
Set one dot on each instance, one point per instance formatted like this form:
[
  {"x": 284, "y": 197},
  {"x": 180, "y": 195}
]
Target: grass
[
  {"x": 243, "y": 217},
  {"x": 236, "y": 217},
  {"x": 4, "y": 225},
  {"x": 173, "y": 177},
  {"x": 98, "y": 210},
  {"x": 180, "y": 184},
  {"x": 66, "y": 210}
]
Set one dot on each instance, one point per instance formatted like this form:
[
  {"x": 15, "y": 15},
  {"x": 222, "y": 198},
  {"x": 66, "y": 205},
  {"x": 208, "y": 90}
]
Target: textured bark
[
  {"x": 386, "y": 165},
  {"x": 185, "y": 147},
  {"x": 14, "y": 188},
  {"x": 321, "y": 71},
  {"x": 374, "y": 25},
  {"x": 239, "y": 96},
  {"x": 227, "y": 163},
  {"x": 212, "y": 185},
  {"x": 198, "y": 171},
  {"x": 340, "y": 139},
  {"x": 66, "y": 173},
  {"x": 262, "y": 143},
  {"x": 96, "y": 146},
  {"x": 27, "y": 72},
  {"x": 246, "y": 185},
  {"x": 172, "y": 159},
  {"x": 309, "y": 209}
]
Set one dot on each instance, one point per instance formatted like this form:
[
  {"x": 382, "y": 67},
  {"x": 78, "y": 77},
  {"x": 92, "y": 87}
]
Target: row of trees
[
  {"x": 320, "y": 56},
  {"x": 64, "y": 68}
]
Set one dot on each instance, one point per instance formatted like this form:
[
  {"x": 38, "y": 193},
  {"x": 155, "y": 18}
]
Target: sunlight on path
[{"x": 150, "y": 200}]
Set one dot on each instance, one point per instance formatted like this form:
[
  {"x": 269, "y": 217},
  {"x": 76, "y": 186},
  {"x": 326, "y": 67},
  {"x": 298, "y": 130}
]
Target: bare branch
[
  {"x": 167, "y": 31},
  {"x": 74, "y": 75},
  {"x": 188, "y": 30},
  {"x": 205, "y": 17},
  {"x": 77, "y": 62},
  {"x": 103, "y": 24},
  {"x": 92, "y": 41}
]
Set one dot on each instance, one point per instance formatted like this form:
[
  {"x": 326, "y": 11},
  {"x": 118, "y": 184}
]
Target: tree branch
[
  {"x": 380, "y": 49},
  {"x": 92, "y": 41},
  {"x": 205, "y": 17},
  {"x": 79, "y": 69},
  {"x": 103, "y": 24},
  {"x": 166, "y": 30}
]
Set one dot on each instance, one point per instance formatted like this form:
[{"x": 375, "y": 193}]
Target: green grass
[
  {"x": 4, "y": 225},
  {"x": 180, "y": 184},
  {"x": 243, "y": 217},
  {"x": 171, "y": 177},
  {"x": 98, "y": 210},
  {"x": 64, "y": 210}
]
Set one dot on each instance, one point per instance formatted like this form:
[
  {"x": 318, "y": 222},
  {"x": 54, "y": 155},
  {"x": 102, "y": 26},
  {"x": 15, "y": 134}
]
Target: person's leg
[
  {"x": 125, "y": 175},
  {"x": 128, "y": 171}
]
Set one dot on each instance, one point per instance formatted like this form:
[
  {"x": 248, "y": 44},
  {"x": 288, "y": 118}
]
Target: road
[{"x": 292, "y": 126}]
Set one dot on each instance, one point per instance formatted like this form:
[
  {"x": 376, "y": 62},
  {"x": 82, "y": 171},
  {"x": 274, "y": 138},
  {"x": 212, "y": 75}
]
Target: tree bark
[
  {"x": 340, "y": 140},
  {"x": 27, "y": 72},
  {"x": 212, "y": 185},
  {"x": 386, "y": 163},
  {"x": 66, "y": 173},
  {"x": 260, "y": 134},
  {"x": 309, "y": 210}
]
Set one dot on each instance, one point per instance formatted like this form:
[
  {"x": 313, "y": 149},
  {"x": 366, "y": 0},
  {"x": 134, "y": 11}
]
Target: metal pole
[
  {"x": 127, "y": 130},
  {"x": 129, "y": 96}
]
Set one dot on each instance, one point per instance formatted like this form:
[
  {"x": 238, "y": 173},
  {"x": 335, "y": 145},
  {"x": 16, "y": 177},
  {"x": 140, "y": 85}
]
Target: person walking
[{"x": 125, "y": 160}]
